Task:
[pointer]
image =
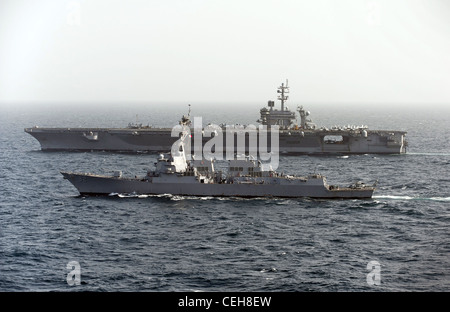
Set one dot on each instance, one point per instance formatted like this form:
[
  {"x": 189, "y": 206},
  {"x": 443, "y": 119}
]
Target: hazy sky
[{"x": 368, "y": 51}]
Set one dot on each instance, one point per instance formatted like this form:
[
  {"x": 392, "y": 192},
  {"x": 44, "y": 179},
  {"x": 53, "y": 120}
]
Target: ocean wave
[
  {"x": 440, "y": 198},
  {"x": 133, "y": 195},
  {"x": 169, "y": 196},
  {"x": 274, "y": 200},
  {"x": 429, "y": 154},
  {"x": 401, "y": 197}
]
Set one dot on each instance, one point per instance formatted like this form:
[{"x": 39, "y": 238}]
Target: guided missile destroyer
[
  {"x": 176, "y": 175},
  {"x": 303, "y": 138}
]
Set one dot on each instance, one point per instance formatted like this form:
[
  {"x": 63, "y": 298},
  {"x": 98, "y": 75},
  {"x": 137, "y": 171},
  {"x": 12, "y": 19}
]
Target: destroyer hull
[
  {"x": 88, "y": 184},
  {"x": 155, "y": 140}
]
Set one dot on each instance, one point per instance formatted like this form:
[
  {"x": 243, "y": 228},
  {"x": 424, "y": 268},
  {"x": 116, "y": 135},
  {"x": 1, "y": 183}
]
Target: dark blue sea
[{"x": 173, "y": 243}]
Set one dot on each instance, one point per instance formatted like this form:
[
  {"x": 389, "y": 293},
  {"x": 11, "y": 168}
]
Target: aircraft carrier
[{"x": 303, "y": 138}]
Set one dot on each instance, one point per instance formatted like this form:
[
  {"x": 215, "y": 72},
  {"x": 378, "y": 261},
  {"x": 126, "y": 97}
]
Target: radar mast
[{"x": 283, "y": 89}]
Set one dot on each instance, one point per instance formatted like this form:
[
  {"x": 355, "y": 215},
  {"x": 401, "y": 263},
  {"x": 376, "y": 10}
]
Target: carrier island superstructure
[{"x": 294, "y": 138}]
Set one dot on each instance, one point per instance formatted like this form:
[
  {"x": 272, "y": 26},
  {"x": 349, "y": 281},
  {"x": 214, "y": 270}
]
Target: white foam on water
[
  {"x": 393, "y": 197},
  {"x": 179, "y": 197},
  {"x": 440, "y": 198},
  {"x": 399, "y": 197}
]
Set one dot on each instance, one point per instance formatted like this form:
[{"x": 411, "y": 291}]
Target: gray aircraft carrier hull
[
  {"x": 88, "y": 184},
  {"x": 159, "y": 139}
]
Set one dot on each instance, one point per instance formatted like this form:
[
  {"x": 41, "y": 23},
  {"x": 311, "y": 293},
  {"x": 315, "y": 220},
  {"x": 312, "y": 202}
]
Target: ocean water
[{"x": 175, "y": 243}]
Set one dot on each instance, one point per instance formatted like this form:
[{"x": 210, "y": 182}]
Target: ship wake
[
  {"x": 400, "y": 197},
  {"x": 187, "y": 197},
  {"x": 168, "y": 196}
]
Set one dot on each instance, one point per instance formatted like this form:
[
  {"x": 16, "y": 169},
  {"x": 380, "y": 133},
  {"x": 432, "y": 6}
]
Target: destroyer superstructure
[{"x": 296, "y": 138}]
